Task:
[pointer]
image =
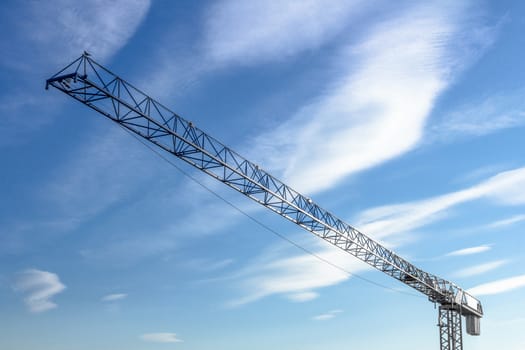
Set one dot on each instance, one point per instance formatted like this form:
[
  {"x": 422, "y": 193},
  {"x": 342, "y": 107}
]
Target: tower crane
[{"x": 98, "y": 88}]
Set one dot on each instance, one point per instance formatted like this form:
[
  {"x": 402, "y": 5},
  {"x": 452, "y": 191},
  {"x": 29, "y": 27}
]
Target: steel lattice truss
[
  {"x": 97, "y": 87},
  {"x": 450, "y": 334}
]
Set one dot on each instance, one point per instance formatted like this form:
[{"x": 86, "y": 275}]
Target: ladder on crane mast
[{"x": 98, "y": 88}]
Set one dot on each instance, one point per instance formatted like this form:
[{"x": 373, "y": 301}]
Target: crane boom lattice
[{"x": 97, "y": 87}]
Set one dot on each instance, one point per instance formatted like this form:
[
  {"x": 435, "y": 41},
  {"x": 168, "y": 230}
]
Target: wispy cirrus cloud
[
  {"x": 505, "y": 188},
  {"x": 114, "y": 297},
  {"x": 499, "y": 286},
  {"x": 506, "y": 222},
  {"x": 189, "y": 202},
  {"x": 496, "y": 225},
  {"x": 248, "y": 32},
  {"x": 207, "y": 264},
  {"x": 39, "y": 287},
  {"x": 94, "y": 177},
  {"x": 303, "y": 296},
  {"x": 327, "y": 316},
  {"x": 162, "y": 337},
  {"x": 494, "y": 113},
  {"x": 480, "y": 268},
  {"x": 100, "y": 27},
  {"x": 364, "y": 115},
  {"x": 413, "y": 54},
  {"x": 38, "y": 47},
  {"x": 469, "y": 251},
  {"x": 297, "y": 277}
]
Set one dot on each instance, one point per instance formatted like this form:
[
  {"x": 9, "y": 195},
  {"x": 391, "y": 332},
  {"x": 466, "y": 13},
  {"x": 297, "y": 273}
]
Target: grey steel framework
[
  {"x": 450, "y": 335},
  {"x": 97, "y": 87}
]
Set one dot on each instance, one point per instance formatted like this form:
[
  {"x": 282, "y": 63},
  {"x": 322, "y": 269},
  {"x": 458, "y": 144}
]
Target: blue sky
[{"x": 406, "y": 120}]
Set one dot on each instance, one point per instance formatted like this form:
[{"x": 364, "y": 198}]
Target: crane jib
[{"x": 100, "y": 89}]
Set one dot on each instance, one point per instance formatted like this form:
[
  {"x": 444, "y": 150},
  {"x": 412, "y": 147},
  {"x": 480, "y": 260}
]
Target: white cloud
[
  {"x": 303, "y": 296},
  {"x": 36, "y": 45},
  {"x": 469, "y": 251},
  {"x": 114, "y": 297},
  {"x": 326, "y": 316},
  {"x": 189, "y": 201},
  {"x": 160, "y": 338},
  {"x": 480, "y": 269},
  {"x": 208, "y": 265},
  {"x": 98, "y": 172},
  {"x": 499, "y": 286},
  {"x": 238, "y": 31},
  {"x": 39, "y": 287},
  {"x": 94, "y": 177},
  {"x": 494, "y": 113},
  {"x": 506, "y": 188},
  {"x": 248, "y": 33},
  {"x": 98, "y": 26},
  {"x": 279, "y": 272},
  {"x": 284, "y": 274},
  {"x": 507, "y": 222},
  {"x": 365, "y": 118}
]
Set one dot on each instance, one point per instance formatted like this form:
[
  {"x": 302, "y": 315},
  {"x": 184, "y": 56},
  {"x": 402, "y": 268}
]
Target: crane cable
[{"x": 260, "y": 223}]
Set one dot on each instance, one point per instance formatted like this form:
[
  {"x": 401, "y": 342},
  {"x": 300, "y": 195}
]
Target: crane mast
[{"x": 95, "y": 86}]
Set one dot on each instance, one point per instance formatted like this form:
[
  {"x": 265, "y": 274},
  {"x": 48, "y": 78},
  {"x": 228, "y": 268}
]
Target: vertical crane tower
[{"x": 98, "y": 88}]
